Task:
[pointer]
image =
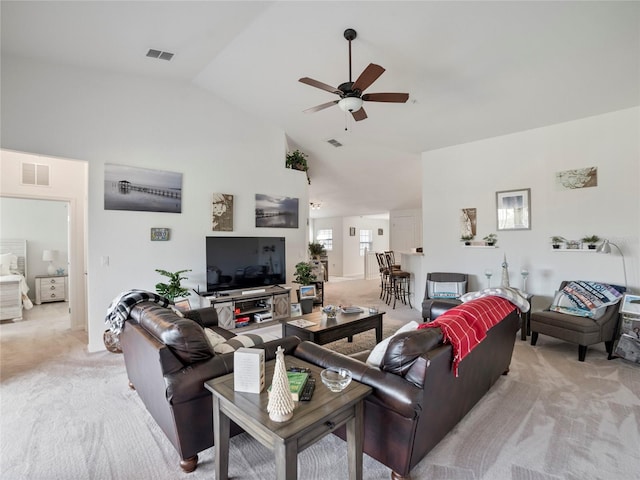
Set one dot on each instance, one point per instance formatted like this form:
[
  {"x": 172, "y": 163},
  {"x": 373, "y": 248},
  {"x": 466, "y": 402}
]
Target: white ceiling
[{"x": 473, "y": 70}]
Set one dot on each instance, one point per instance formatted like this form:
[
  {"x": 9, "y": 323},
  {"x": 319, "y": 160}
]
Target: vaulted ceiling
[{"x": 473, "y": 70}]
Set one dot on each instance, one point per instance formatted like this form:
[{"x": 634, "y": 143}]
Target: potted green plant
[
  {"x": 297, "y": 160},
  {"x": 591, "y": 241},
  {"x": 304, "y": 276},
  {"x": 316, "y": 250},
  {"x": 491, "y": 239},
  {"x": 304, "y": 273},
  {"x": 556, "y": 241},
  {"x": 172, "y": 289},
  {"x": 467, "y": 239}
]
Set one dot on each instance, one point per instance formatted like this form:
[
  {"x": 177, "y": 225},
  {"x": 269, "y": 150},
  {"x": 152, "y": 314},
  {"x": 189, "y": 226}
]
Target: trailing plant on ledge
[
  {"x": 173, "y": 289},
  {"x": 297, "y": 160}
]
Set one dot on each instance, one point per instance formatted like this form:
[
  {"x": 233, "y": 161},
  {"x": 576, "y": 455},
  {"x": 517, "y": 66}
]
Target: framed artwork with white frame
[
  {"x": 513, "y": 209},
  {"x": 296, "y": 310},
  {"x": 307, "y": 291},
  {"x": 630, "y": 304}
]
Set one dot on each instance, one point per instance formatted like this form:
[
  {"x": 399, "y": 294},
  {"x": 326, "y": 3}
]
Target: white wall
[
  {"x": 106, "y": 118},
  {"x": 469, "y": 175},
  {"x": 43, "y": 224}
]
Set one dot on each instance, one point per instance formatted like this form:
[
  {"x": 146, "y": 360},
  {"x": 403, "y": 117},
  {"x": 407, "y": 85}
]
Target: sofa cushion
[
  {"x": 406, "y": 347},
  {"x": 183, "y": 336},
  {"x": 375, "y": 357}
]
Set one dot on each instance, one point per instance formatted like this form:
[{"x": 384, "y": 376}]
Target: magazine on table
[
  {"x": 351, "y": 309},
  {"x": 301, "y": 322}
]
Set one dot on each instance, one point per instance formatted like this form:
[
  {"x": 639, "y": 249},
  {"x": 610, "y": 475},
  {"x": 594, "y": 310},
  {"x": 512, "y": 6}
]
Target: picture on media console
[
  {"x": 222, "y": 213},
  {"x": 142, "y": 189},
  {"x": 279, "y": 212}
]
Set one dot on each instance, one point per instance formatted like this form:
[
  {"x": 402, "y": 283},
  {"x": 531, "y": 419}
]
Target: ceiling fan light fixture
[{"x": 350, "y": 104}]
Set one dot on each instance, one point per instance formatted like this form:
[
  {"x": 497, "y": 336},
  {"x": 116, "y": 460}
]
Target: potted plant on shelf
[
  {"x": 491, "y": 239},
  {"x": 591, "y": 241},
  {"x": 297, "y": 160},
  {"x": 556, "y": 241},
  {"x": 173, "y": 289},
  {"x": 467, "y": 239},
  {"x": 304, "y": 276}
]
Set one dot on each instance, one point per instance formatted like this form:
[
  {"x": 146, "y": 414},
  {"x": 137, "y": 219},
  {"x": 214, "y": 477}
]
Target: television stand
[{"x": 243, "y": 308}]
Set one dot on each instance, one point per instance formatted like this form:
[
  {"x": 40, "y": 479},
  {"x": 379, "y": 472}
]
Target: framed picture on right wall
[{"x": 513, "y": 209}]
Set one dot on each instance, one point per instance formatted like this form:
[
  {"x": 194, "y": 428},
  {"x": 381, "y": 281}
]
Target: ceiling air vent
[
  {"x": 159, "y": 54},
  {"x": 35, "y": 174},
  {"x": 334, "y": 142}
]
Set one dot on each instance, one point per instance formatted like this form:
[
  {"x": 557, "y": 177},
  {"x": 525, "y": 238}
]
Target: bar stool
[
  {"x": 384, "y": 277},
  {"x": 400, "y": 282}
]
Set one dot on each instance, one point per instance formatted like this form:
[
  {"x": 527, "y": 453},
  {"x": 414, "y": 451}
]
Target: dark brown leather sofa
[
  {"x": 168, "y": 359},
  {"x": 416, "y": 398}
]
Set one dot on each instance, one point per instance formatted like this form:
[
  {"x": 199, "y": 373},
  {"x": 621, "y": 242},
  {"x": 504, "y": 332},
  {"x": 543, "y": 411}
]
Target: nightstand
[{"x": 52, "y": 288}]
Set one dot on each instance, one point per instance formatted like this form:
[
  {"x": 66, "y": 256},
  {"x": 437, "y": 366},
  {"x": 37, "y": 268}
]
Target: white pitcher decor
[{"x": 280, "y": 405}]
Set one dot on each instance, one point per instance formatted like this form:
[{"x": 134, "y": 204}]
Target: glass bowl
[{"x": 336, "y": 380}]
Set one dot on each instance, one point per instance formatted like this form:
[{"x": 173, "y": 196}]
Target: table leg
[
  {"x": 221, "y": 431},
  {"x": 355, "y": 442},
  {"x": 286, "y": 460},
  {"x": 379, "y": 329}
]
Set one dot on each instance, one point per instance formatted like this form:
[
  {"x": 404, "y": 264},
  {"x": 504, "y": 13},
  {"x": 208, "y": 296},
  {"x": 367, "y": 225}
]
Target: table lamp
[{"x": 50, "y": 256}]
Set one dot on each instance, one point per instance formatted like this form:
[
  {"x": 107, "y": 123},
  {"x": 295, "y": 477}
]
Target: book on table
[{"x": 297, "y": 381}]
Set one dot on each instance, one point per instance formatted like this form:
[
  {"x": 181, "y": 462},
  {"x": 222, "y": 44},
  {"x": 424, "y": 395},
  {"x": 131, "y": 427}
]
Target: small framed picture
[
  {"x": 630, "y": 304},
  {"x": 183, "y": 305},
  {"x": 352, "y": 231},
  {"x": 160, "y": 234},
  {"x": 513, "y": 209},
  {"x": 296, "y": 310},
  {"x": 380, "y": 231},
  {"x": 307, "y": 291}
]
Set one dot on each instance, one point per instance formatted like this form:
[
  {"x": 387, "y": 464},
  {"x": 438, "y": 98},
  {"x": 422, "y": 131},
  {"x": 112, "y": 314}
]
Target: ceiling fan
[{"x": 351, "y": 96}]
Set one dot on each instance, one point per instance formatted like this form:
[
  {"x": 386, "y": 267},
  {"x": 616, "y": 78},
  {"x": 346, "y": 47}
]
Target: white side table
[{"x": 52, "y": 288}]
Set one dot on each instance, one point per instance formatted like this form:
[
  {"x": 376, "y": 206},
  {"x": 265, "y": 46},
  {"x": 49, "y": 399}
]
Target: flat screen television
[{"x": 235, "y": 263}]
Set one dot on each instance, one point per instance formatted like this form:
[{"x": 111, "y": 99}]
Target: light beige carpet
[{"x": 67, "y": 414}]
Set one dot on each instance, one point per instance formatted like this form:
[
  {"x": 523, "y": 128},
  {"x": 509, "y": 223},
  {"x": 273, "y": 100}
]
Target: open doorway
[{"x": 44, "y": 224}]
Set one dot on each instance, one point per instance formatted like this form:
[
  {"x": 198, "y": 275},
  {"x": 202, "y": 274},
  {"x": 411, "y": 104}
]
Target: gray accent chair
[
  {"x": 445, "y": 277},
  {"x": 580, "y": 330}
]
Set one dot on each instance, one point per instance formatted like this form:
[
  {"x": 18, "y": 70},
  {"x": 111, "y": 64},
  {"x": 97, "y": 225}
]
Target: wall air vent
[
  {"x": 334, "y": 142},
  {"x": 35, "y": 174},
  {"x": 159, "y": 54}
]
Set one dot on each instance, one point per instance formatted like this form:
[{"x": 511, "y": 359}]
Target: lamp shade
[
  {"x": 49, "y": 255},
  {"x": 350, "y": 104}
]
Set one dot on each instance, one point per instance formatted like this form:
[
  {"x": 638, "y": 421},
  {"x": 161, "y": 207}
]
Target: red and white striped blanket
[{"x": 466, "y": 325}]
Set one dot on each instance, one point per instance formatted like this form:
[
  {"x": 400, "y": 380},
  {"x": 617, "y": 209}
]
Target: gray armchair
[
  {"x": 580, "y": 330},
  {"x": 432, "y": 288}
]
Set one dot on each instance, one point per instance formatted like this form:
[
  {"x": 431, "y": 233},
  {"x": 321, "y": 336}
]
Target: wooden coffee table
[
  {"x": 325, "y": 330},
  {"x": 311, "y": 421}
]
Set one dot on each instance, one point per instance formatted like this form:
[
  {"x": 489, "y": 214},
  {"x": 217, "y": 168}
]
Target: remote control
[{"x": 307, "y": 390}]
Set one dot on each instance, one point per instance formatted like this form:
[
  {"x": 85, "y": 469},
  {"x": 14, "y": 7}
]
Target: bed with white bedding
[{"x": 13, "y": 284}]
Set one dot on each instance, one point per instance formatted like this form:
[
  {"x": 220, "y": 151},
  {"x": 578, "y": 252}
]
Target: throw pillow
[
  {"x": 445, "y": 289},
  {"x": 246, "y": 340},
  {"x": 377, "y": 354},
  {"x": 214, "y": 338},
  {"x": 8, "y": 263}
]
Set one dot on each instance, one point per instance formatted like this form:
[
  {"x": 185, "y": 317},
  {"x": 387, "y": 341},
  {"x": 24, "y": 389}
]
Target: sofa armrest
[
  {"x": 188, "y": 383},
  {"x": 390, "y": 390}
]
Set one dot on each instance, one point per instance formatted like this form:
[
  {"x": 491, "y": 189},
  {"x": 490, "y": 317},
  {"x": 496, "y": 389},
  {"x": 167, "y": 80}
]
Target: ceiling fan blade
[
  {"x": 386, "y": 97},
  {"x": 317, "y": 108},
  {"x": 359, "y": 115},
  {"x": 320, "y": 85},
  {"x": 366, "y": 78}
]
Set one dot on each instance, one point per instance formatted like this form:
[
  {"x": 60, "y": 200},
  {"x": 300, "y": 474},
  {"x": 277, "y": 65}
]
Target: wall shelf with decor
[
  {"x": 480, "y": 246},
  {"x": 584, "y": 250}
]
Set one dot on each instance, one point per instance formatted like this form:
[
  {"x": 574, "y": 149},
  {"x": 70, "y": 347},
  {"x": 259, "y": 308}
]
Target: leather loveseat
[
  {"x": 416, "y": 398},
  {"x": 168, "y": 358}
]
